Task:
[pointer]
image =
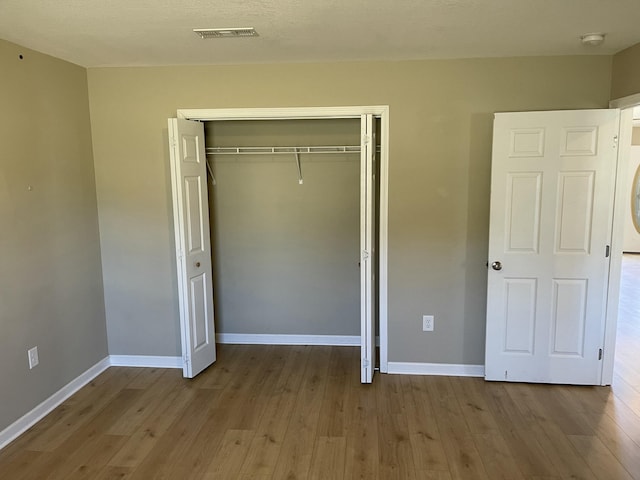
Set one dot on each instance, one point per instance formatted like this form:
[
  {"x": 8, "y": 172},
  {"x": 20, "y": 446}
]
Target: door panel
[
  {"x": 552, "y": 191},
  {"x": 367, "y": 247},
  {"x": 193, "y": 244},
  {"x": 523, "y": 212},
  {"x": 574, "y": 213}
]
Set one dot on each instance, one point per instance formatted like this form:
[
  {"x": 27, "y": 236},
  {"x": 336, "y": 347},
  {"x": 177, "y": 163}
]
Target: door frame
[
  {"x": 625, "y": 104},
  {"x": 308, "y": 113}
]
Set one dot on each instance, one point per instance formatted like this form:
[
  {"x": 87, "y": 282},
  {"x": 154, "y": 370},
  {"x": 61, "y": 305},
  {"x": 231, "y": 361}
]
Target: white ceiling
[{"x": 159, "y": 32}]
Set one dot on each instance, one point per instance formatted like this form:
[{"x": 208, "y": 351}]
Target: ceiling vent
[{"x": 225, "y": 32}]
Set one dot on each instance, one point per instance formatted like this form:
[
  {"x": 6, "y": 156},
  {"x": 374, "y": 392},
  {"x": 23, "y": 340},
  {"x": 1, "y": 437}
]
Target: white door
[
  {"x": 552, "y": 186},
  {"x": 367, "y": 249},
  {"x": 193, "y": 244}
]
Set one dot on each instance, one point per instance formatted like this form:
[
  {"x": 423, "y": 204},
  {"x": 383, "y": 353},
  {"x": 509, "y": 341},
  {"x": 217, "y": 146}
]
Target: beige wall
[
  {"x": 625, "y": 78},
  {"x": 440, "y": 144},
  {"x": 50, "y": 277}
]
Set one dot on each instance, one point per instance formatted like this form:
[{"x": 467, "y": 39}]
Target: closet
[
  {"x": 283, "y": 214},
  {"x": 284, "y": 205}
]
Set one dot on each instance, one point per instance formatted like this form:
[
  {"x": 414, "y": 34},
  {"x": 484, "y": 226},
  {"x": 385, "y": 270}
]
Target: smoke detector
[
  {"x": 233, "y": 32},
  {"x": 592, "y": 39}
]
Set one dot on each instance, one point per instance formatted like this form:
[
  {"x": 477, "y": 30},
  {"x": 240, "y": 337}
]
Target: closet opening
[
  {"x": 284, "y": 212},
  {"x": 289, "y": 227}
]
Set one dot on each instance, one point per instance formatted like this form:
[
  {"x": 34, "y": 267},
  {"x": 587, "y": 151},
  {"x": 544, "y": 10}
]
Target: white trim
[
  {"x": 382, "y": 111},
  {"x": 29, "y": 419},
  {"x": 149, "y": 361},
  {"x": 617, "y": 240},
  {"x": 625, "y": 102},
  {"x": 383, "y": 243},
  {"x": 293, "y": 113},
  {"x": 448, "y": 369},
  {"x": 270, "y": 339}
]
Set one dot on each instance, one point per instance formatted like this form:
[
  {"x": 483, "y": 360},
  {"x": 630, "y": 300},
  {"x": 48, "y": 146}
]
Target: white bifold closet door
[
  {"x": 368, "y": 248},
  {"x": 193, "y": 244}
]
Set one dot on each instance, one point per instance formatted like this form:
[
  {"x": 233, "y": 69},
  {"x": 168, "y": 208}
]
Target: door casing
[
  {"x": 307, "y": 113},
  {"x": 625, "y": 105}
]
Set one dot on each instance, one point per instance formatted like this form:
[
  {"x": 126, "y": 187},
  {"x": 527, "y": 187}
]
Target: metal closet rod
[
  {"x": 296, "y": 151},
  {"x": 282, "y": 150}
]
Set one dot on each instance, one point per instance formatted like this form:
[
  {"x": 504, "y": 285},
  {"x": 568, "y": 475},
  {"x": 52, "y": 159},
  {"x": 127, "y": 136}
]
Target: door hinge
[
  {"x": 366, "y": 139},
  {"x": 600, "y": 354},
  {"x": 365, "y": 255},
  {"x": 187, "y": 360},
  {"x": 365, "y": 363},
  {"x": 180, "y": 254},
  {"x": 607, "y": 251},
  {"x": 615, "y": 141}
]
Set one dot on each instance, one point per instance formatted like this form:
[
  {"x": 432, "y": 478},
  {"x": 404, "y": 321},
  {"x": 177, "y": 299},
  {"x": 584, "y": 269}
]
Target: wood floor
[{"x": 268, "y": 412}]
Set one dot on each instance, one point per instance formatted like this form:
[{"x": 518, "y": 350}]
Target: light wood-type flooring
[{"x": 272, "y": 412}]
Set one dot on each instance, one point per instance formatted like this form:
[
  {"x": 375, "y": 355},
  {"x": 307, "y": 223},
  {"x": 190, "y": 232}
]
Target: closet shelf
[{"x": 281, "y": 150}]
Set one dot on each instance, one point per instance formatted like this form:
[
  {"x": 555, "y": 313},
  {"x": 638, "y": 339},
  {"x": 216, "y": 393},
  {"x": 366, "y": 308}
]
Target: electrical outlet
[
  {"x": 427, "y": 323},
  {"x": 33, "y": 357}
]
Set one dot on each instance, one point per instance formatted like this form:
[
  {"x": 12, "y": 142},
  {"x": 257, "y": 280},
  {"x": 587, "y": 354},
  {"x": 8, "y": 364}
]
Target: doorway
[
  {"x": 285, "y": 236},
  {"x": 372, "y": 286},
  {"x": 623, "y": 322}
]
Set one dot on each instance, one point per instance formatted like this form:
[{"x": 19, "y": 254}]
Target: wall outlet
[
  {"x": 427, "y": 323},
  {"x": 33, "y": 357}
]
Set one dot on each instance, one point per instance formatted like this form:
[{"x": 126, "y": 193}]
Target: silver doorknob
[{"x": 496, "y": 266}]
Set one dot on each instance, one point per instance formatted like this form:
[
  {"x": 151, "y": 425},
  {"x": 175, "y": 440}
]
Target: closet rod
[{"x": 281, "y": 150}]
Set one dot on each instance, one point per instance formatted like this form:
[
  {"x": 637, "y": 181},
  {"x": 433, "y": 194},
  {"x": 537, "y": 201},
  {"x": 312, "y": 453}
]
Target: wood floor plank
[
  {"x": 264, "y": 451},
  {"x": 113, "y": 473},
  {"x": 82, "y": 409},
  {"x": 394, "y": 445},
  {"x": 176, "y": 441},
  {"x": 626, "y": 451},
  {"x": 237, "y": 407},
  {"x": 297, "y": 449},
  {"x": 158, "y": 384},
  {"x": 88, "y": 464},
  {"x": 19, "y": 464},
  {"x": 328, "y": 459},
  {"x": 473, "y": 404},
  {"x": 497, "y": 459},
  {"x": 516, "y": 430},
  {"x": 230, "y": 457},
  {"x": 536, "y": 405},
  {"x": 602, "y": 462},
  {"x": 332, "y": 415},
  {"x": 362, "y": 453},
  {"x": 459, "y": 445},
  {"x": 424, "y": 436},
  {"x": 153, "y": 428}
]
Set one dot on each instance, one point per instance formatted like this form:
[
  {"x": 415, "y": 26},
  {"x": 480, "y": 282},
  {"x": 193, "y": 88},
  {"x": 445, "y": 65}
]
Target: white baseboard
[
  {"x": 449, "y": 369},
  {"x": 29, "y": 419},
  {"x": 269, "y": 339},
  {"x": 145, "y": 361}
]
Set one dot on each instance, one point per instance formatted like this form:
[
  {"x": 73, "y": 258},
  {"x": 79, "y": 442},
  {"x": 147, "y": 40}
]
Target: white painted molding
[
  {"x": 29, "y": 419},
  {"x": 269, "y": 339},
  {"x": 625, "y": 102},
  {"x": 448, "y": 369},
  {"x": 292, "y": 113},
  {"x": 149, "y": 361}
]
